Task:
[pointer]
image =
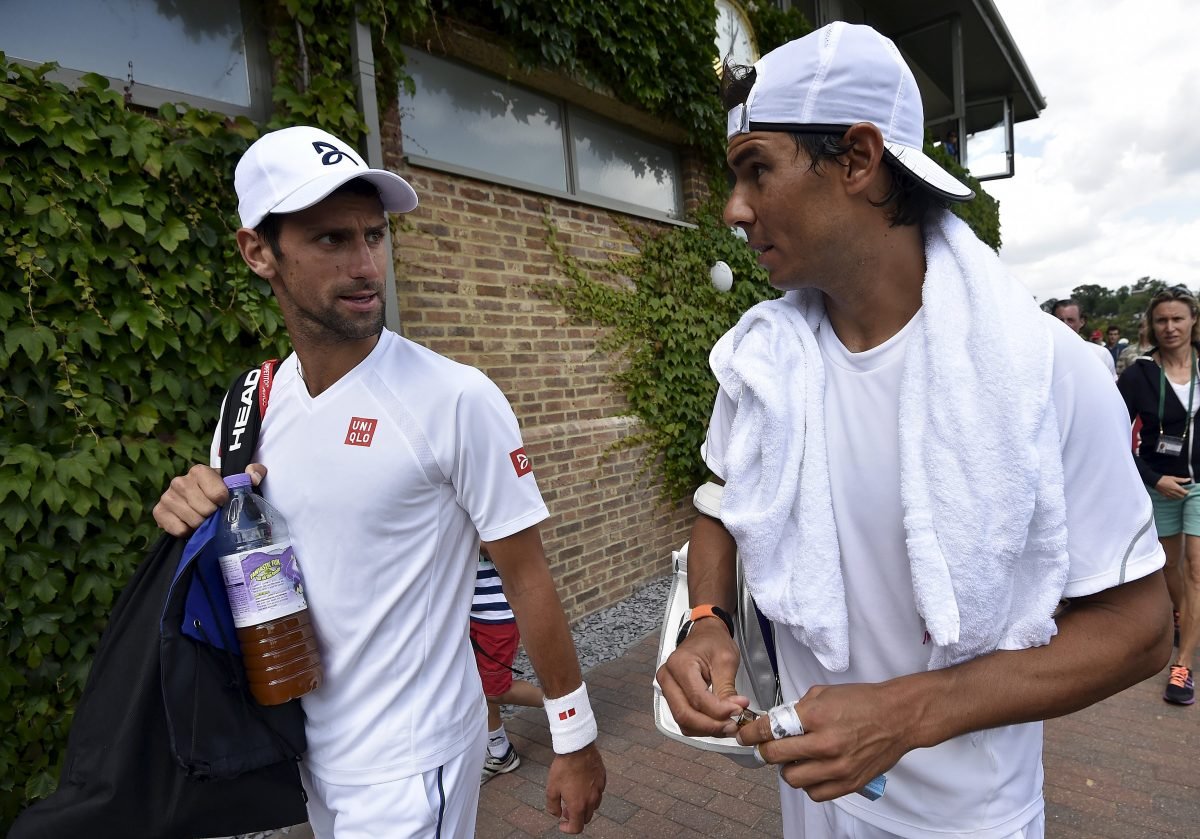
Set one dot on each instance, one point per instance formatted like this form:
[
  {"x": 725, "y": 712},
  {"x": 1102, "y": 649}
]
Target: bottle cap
[{"x": 242, "y": 479}]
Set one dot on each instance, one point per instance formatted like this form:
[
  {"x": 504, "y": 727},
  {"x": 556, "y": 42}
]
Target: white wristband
[{"x": 572, "y": 723}]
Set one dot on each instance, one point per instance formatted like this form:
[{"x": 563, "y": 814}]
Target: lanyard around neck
[{"x": 1162, "y": 395}]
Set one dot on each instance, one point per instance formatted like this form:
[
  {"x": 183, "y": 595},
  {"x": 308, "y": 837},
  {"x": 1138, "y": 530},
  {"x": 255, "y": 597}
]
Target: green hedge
[{"x": 124, "y": 315}]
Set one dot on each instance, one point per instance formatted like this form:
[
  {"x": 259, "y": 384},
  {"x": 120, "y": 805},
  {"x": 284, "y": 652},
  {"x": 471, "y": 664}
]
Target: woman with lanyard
[{"x": 1161, "y": 390}]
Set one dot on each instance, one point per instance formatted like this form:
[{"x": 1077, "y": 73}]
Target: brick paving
[{"x": 1123, "y": 768}]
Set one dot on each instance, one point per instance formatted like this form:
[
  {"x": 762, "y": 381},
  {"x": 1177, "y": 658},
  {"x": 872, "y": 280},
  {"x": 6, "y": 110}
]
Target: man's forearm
[
  {"x": 529, "y": 588},
  {"x": 712, "y": 565},
  {"x": 1106, "y": 642}
]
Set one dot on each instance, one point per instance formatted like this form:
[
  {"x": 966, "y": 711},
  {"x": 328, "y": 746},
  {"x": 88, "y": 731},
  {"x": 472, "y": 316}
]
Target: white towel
[{"x": 980, "y": 461}]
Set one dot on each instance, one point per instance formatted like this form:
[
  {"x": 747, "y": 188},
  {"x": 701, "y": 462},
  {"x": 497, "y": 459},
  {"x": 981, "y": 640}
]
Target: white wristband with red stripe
[{"x": 572, "y": 723}]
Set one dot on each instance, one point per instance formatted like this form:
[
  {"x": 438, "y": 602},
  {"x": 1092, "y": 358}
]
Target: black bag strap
[{"x": 245, "y": 405}]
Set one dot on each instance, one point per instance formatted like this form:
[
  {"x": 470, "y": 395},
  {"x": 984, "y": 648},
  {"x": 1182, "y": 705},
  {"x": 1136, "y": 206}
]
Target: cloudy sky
[{"x": 1107, "y": 185}]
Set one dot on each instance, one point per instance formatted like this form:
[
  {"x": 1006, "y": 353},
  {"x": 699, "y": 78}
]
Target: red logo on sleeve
[
  {"x": 361, "y": 431},
  {"x": 520, "y": 462}
]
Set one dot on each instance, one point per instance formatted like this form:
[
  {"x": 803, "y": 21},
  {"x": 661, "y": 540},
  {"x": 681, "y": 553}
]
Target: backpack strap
[{"x": 245, "y": 406}]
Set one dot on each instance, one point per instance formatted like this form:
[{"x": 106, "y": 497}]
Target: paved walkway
[{"x": 1126, "y": 768}]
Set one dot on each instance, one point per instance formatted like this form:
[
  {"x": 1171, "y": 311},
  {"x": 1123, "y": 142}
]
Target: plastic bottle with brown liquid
[{"x": 266, "y": 595}]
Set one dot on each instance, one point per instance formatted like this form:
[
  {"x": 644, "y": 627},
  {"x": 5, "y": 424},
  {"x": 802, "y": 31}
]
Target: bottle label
[{"x": 263, "y": 584}]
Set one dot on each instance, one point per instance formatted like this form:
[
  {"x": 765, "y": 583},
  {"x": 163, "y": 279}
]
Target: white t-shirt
[
  {"x": 1105, "y": 358},
  {"x": 388, "y": 480},
  {"x": 988, "y": 783},
  {"x": 1186, "y": 399}
]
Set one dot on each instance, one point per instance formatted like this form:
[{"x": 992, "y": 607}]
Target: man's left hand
[
  {"x": 849, "y": 737},
  {"x": 575, "y": 787}
]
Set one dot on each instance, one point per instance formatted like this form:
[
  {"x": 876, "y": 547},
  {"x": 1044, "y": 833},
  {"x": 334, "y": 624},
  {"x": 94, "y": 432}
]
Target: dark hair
[
  {"x": 908, "y": 200},
  {"x": 268, "y": 228},
  {"x": 1065, "y": 303}
]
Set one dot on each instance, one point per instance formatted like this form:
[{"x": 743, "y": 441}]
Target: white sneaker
[{"x": 493, "y": 766}]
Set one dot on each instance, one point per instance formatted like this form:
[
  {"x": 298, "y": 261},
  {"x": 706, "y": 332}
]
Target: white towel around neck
[{"x": 980, "y": 461}]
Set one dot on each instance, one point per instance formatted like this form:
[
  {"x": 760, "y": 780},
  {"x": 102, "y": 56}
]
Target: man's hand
[
  {"x": 193, "y": 497},
  {"x": 708, "y": 656},
  {"x": 574, "y": 788},
  {"x": 850, "y": 736}
]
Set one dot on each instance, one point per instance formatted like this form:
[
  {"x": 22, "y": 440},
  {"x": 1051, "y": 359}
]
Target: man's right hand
[
  {"x": 708, "y": 656},
  {"x": 193, "y": 497}
]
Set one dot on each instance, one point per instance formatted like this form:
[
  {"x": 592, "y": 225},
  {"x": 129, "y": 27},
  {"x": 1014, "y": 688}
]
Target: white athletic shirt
[
  {"x": 987, "y": 784},
  {"x": 388, "y": 480}
]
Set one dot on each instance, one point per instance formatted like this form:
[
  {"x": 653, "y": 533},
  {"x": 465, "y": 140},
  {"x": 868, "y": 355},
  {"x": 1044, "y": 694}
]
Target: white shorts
[
  {"x": 805, "y": 819},
  {"x": 438, "y": 804}
]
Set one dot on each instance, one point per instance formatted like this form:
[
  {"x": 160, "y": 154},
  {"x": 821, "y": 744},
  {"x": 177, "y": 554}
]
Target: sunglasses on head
[{"x": 1175, "y": 292}]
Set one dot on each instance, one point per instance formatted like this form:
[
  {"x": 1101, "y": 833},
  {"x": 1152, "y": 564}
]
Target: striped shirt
[{"x": 489, "y": 604}]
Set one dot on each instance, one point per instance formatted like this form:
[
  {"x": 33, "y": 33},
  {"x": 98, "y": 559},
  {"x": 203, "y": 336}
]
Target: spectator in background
[
  {"x": 1112, "y": 342},
  {"x": 1071, "y": 313},
  {"x": 950, "y": 144},
  {"x": 1140, "y": 347},
  {"x": 1162, "y": 390}
]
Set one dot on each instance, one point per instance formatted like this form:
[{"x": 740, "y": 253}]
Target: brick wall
[{"x": 467, "y": 262}]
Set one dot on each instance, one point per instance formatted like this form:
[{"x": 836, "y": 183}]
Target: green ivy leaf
[
  {"x": 111, "y": 218},
  {"x": 47, "y": 588},
  {"x": 135, "y": 222},
  {"x": 173, "y": 233}
]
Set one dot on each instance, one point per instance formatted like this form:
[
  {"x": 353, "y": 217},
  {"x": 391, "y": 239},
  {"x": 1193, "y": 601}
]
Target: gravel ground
[{"x": 607, "y": 634}]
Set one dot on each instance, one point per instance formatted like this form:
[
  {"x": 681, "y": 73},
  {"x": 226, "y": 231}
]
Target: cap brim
[
  {"x": 395, "y": 193},
  {"x": 934, "y": 176}
]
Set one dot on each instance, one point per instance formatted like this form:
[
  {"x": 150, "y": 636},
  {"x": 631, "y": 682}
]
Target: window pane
[
  {"x": 470, "y": 119},
  {"x": 617, "y": 164},
  {"x": 195, "y": 47},
  {"x": 988, "y": 152}
]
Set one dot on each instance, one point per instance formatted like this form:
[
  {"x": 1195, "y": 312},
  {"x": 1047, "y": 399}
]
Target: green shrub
[{"x": 125, "y": 310}]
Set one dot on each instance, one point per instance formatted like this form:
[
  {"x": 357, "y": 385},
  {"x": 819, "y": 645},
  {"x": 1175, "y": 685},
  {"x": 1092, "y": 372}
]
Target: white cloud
[{"x": 1107, "y": 178}]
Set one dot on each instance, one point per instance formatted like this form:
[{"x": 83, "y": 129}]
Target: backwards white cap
[
  {"x": 291, "y": 169},
  {"x": 835, "y": 77}
]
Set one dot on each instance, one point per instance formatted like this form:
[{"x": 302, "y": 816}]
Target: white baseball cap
[
  {"x": 291, "y": 169},
  {"x": 837, "y": 76}
]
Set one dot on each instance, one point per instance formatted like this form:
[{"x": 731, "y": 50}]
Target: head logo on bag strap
[{"x": 243, "y": 415}]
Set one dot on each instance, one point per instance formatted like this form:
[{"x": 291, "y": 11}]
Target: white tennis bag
[
  {"x": 756, "y": 676},
  {"x": 758, "y": 673}
]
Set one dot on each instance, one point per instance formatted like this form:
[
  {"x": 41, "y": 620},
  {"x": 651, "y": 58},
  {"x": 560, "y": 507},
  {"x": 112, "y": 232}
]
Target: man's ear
[
  {"x": 257, "y": 253},
  {"x": 864, "y": 162}
]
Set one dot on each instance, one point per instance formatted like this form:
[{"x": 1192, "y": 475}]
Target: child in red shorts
[{"x": 494, "y": 637}]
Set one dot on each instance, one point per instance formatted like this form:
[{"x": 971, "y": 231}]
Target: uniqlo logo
[
  {"x": 361, "y": 431},
  {"x": 520, "y": 462},
  {"x": 563, "y": 716}
]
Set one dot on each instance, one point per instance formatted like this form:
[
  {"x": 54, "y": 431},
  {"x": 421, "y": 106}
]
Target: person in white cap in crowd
[
  {"x": 390, "y": 463},
  {"x": 917, "y": 464}
]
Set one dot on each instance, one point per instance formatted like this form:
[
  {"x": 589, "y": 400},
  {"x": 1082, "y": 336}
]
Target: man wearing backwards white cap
[
  {"x": 390, "y": 463},
  {"x": 909, "y": 451}
]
